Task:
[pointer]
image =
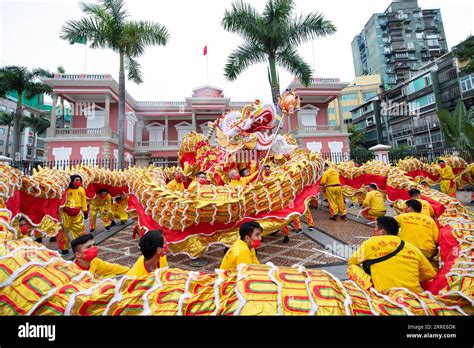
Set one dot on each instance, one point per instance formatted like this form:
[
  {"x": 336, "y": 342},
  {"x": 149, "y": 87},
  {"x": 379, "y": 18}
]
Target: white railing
[
  {"x": 78, "y": 132},
  {"x": 82, "y": 76},
  {"x": 157, "y": 145},
  {"x": 240, "y": 103},
  {"x": 161, "y": 103},
  {"x": 320, "y": 129}
]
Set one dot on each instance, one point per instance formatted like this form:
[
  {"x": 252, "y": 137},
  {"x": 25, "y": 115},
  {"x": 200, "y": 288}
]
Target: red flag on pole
[{"x": 205, "y": 50}]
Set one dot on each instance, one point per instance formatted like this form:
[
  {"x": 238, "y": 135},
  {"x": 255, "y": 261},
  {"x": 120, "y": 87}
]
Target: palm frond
[
  {"x": 278, "y": 11},
  {"x": 95, "y": 30},
  {"x": 244, "y": 19},
  {"x": 40, "y": 72},
  {"x": 133, "y": 70},
  {"x": 137, "y": 35},
  {"x": 449, "y": 127},
  {"x": 116, "y": 8},
  {"x": 308, "y": 27},
  {"x": 292, "y": 61},
  {"x": 240, "y": 59},
  {"x": 34, "y": 89}
]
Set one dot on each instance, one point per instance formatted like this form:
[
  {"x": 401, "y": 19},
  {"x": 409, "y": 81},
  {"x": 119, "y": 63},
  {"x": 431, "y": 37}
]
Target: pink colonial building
[{"x": 154, "y": 129}]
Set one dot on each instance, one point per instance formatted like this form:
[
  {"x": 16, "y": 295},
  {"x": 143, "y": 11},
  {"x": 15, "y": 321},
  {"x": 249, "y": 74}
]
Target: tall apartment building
[
  {"x": 396, "y": 43},
  {"x": 358, "y": 92}
]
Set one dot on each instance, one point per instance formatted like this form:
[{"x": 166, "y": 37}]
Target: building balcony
[
  {"x": 322, "y": 130},
  {"x": 82, "y": 133},
  {"x": 157, "y": 145}
]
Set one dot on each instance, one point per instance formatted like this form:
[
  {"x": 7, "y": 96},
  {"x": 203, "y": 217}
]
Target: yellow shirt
[
  {"x": 139, "y": 269},
  {"x": 76, "y": 198},
  {"x": 405, "y": 270},
  {"x": 193, "y": 186},
  {"x": 102, "y": 202},
  {"x": 104, "y": 269},
  {"x": 446, "y": 173},
  {"x": 239, "y": 253},
  {"x": 120, "y": 207},
  {"x": 419, "y": 230},
  {"x": 426, "y": 209},
  {"x": 173, "y": 186},
  {"x": 330, "y": 177},
  {"x": 375, "y": 201}
]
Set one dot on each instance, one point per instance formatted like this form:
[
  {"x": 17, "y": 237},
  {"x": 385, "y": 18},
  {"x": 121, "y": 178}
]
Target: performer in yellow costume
[
  {"x": 426, "y": 208},
  {"x": 374, "y": 203},
  {"x": 101, "y": 204},
  {"x": 447, "y": 184},
  {"x": 405, "y": 266},
  {"x": 235, "y": 178},
  {"x": 177, "y": 184},
  {"x": 73, "y": 213},
  {"x": 243, "y": 250},
  {"x": 199, "y": 180},
  {"x": 330, "y": 181},
  {"x": 86, "y": 252},
  {"x": 418, "y": 229},
  {"x": 154, "y": 249},
  {"x": 119, "y": 210}
]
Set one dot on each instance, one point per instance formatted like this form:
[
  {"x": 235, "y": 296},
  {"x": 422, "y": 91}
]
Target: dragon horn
[{"x": 212, "y": 128}]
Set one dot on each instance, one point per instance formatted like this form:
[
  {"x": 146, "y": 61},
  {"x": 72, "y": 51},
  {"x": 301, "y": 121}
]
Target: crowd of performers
[{"x": 408, "y": 241}]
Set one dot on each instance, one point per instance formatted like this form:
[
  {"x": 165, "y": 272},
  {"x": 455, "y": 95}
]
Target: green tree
[
  {"x": 273, "y": 37},
  {"x": 106, "y": 25},
  {"x": 465, "y": 54},
  {"x": 458, "y": 129},
  {"x": 6, "y": 119},
  {"x": 26, "y": 84},
  {"x": 38, "y": 125},
  {"x": 359, "y": 152}
]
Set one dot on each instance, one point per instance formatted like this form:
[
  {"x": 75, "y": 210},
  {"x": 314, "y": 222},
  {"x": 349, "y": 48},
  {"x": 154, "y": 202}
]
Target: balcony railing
[
  {"x": 157, "y": 145},
  {"x": 161, "y": 103},
  {"x": 83, "y": 133},
  {"x": 319, "y": 129}
]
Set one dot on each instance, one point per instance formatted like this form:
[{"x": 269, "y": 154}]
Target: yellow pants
[
  {"x": 358, "y": 275},
  {"x": 336, "y": 200},
  {"x": 94, "y": 211},
  {"x": 73, "y": 228},
  {"x": 445, "y": 187},
  {"x": 117, "y": 214},
  {"x": 372, "y": 214},
  {"x": 309, "y": 220}
]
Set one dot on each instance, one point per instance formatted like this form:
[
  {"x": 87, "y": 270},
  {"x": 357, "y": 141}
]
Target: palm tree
[
  {"x": 106, "y": 26},
  {"x": 61, "y": 70},
  {"x": 272, "y": 37},
  {"x": 25, "y": 83},
  {"x": 458, "y": 129},
  {"x": 38, "y": 124},
  {"x": 6, "y": 119}
]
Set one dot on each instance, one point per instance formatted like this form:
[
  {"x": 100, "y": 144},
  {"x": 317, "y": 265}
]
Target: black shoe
[
  {"x": 286, "y": 240},
  {"x": 333, "y": 218},
  {"x": 226, "y": 250},
  {"x": 274, "y": 233},
  {"x": 65, "y": 252},
  {"x": 123, "y": 222},
  {"x": 311, "y": 228},
  {"x": 344, "y": 218},
  {"x": 39, "y": 240},
  {"x": 52, "y": 240},
  {"x": 107, "y": 228},
  {"x": 112, "y": 224},
  {"x": 92, "y": 230},
  {"x": 298, "y": 231}
]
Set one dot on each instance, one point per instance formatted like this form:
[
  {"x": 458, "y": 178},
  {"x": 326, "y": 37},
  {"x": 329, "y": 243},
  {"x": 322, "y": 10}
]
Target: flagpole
[{"x": 85, "y": 59}]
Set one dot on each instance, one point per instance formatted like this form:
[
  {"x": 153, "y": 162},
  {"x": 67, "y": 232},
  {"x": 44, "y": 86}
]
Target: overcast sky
[{"x": 29, "y": 36}]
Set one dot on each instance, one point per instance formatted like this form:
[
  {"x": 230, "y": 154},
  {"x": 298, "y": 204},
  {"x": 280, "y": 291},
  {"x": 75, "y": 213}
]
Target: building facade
[
  {"x": 8, "y": 105},
  {"x": 366, "y": 117},
  {"x": 154, "y": 129},
  {"x": 396, "y": 43},
  {"x": 362, "y": 89}
]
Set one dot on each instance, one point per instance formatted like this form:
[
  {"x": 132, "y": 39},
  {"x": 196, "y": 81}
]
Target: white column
[
  {"x": 194, "y": 121},
  {"x": 50, "y": 133},
  {"x": 166, "y": 131},
  {"x": 107, "y": 115}
]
